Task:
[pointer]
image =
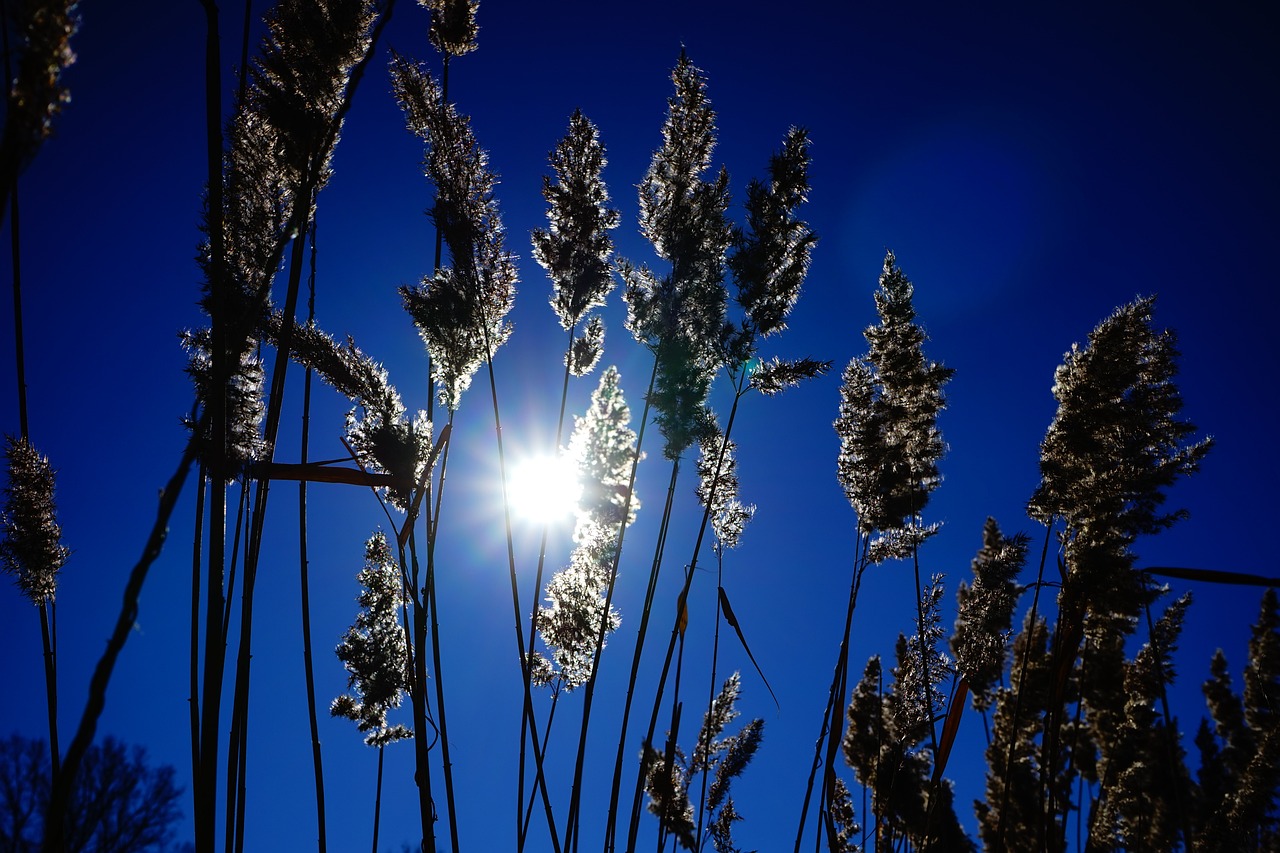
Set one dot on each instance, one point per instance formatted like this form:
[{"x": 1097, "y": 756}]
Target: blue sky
[{"x": 1032, "y": 166}]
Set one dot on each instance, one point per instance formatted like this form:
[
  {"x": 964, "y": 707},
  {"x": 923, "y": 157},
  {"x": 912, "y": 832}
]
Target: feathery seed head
[{"x": 31, "y": 545}]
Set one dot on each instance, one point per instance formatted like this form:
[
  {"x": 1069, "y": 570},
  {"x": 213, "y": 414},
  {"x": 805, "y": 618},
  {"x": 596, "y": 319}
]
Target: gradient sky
[{"x": 1032, "y": 166}]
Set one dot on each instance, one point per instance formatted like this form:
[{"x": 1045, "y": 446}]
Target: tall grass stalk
[
  {"x": 337, "y": 58},
  {"x": 433, "y": 611},
  {"x": 60, "y": 797},
  {"x": 44, "y": 606},
  {"x": 305, "y": 584},
  {"x": 32, "y": 98},
  {"x": 515, "y": 593},
  {"x": 418, "y": 692},
  {"x": 205, "y": 740},
  {"x": 197, "y": 557},
  {"x": 574, "y": 249},
  {"x": 678, "y": 626},
  {"x": 829, "y": 733},
  {"x": 526, "y": 714},
  {"x": 711, "y": 697},
  {"x": 641, "y": 634},
  {"x": 571, "y": 831},
  {"x": 238, "y": 753},
  {"x": 1033, "y": 615}
]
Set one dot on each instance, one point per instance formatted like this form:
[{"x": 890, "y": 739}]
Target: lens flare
[{"x": 544, "y": 489}]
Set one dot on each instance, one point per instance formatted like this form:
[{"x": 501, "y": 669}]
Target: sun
[{"x": 544, "y": 489}]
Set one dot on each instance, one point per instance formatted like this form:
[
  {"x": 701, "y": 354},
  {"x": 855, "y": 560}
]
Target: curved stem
[
  {"x": 924, "y": 650},
  {"x": 522, "y": 825},
  {"x": 677, "y": 631},
  {"x": 650, "y": 591},
  {"x": 571, "y": 831},
  {"x": 831, "y": 719},
  {"x": 1022, "y": 683},
  {"x": 433, "y": 611},
  {"x": 418, "y": 699},
  {"x": 60, "y": 796},
  {"x": 304, "y": 565},
  {"x": 533, "y": 795},
  {"x": 711, "y": 693}
]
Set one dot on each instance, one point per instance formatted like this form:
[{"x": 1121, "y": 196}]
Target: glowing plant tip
[{"x": 545, "y": 489}]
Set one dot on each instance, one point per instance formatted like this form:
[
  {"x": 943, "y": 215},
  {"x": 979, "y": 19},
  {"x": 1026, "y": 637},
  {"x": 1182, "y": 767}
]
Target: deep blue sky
[{"x": 1032, "y": 166}]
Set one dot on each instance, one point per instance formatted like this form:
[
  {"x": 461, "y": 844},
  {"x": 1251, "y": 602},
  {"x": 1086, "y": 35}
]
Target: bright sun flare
[{"x": 544, "y": 489}]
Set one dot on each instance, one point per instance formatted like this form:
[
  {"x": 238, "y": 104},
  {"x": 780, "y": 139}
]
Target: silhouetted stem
[
  {"x": 433, "y": 610},
  {"x": 205, "y": 770},
  {"x": 521, "y": 825},
  {"x": 515, "y": 590},
  {"x": 197, "y": 553},
  {"x": 50, "y": 684},
  {"x": 9, "y": 168},
  {"x": 831, "y": 720},
  {"x": 579, "y": 763},
  {"x": 60, "y": 796},
  {"x": 1022, "y": 683},
  {"x": 711, "y": 694},
  {"x": 242, "y": 512},
  {"x": 1171, "y": 733},
  {"x": 418, "y": 698},
  {"x": 377, "y": 801},
  {"x": 924, "y": 651},
  {"x": 237, "y": 758},
  {"x": 303, "y": 564},
  {"x": 533, "y": 795},
  {"x": 47, "y": 640},
  {"x": 677, "y": 630},
  {"x": 650, "y": 591}
]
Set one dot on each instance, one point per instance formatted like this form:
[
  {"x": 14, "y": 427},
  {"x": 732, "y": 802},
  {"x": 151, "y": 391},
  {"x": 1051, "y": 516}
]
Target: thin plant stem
[
  {"x": 1054, "y": 716},
  {"x": 1022, "y": 683},
  {"x": 599, "y": 650},
  {"x": 924, "y": 650},
  {"x": 650, "y": 591},
  {"x": 677, "y": 631},
  {"x": 205, "y": 770},
  {"x": 15, "y": 244},
  {"x": 60, "y": 795},
  {"x": 433, "y": 612},
  {"x": 377, "y": 800},
  {"x": 521, "y": 826},
  {"x": 1172, "y": 736},
  {"x": 515, "y": 589},
  {"x": 197, "y": 554},
  {"x": 832, "y": 726},
  {"x": 817, "y": 754},
  {"x": 711, "y": 693},
  {"x": 304, "y": 565},
  {"x": 303, "y": 207},
  {"x": 242, "y": 513},
  {"x": 673, "y": 735},
  {"x": 533, "y": 795},
  {"x": 418, "y": 697},
  {"x": 275, "y": 401},
  {"x": 429, "y": 614},
  {"x": 50, "y": 684},
  {"x": 1061, "y": 836},
  {"x": 48, "y": 636}
]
